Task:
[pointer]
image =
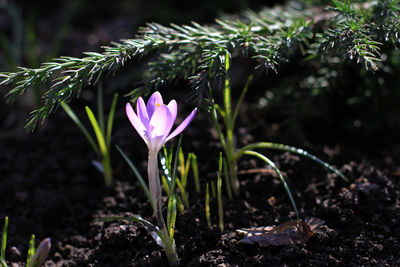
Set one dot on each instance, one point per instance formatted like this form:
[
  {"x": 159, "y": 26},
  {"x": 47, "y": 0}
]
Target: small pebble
[
  {"x": 79, "y": 239},
  {"x": 15, "y": 251}
]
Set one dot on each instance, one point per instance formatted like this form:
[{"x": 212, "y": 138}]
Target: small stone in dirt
[
  {"x": 15, "y": 251},
  {"x": 271, "y": 201},
  {"x": 78, "y": 239},
  {"x": 288, "y": 233}
]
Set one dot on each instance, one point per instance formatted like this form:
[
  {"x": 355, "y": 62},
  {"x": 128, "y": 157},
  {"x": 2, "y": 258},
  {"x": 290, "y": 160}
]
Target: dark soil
[{"x": 49, "y": 187}]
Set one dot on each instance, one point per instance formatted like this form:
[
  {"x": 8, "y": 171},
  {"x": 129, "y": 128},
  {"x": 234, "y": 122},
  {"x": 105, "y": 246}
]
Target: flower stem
[
  {"x": 155, "y": 188},
  {"x": 155, "y": 193},
  {"x": 170, "y": 251}
]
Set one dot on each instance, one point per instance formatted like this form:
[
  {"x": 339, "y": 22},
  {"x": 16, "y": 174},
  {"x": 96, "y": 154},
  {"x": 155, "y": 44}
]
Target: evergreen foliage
[{"x": 351, "y": 32}]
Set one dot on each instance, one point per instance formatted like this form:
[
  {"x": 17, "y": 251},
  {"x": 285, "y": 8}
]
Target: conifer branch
[{"x": 197, "y": 52}]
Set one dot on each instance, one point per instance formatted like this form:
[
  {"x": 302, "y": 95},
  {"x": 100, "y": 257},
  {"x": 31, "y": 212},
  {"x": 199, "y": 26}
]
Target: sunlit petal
[
  {"x": 154, "y": 102},
  {"x": 173, "y": 108},
  {"x": 135, "y": 121},
  {"x": 160, "y": 125},
  {"x": 142, "y": 112},
  {"x": 155, "y": 121},
  {"x": 183, "y": 125}
]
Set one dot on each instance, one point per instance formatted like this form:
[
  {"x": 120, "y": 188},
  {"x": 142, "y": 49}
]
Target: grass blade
[
  {"x": 165, "y": 184},
  {"x": 176, "y": 159},
  {"x": 181, "y": 162},
  {"x": 187, "y": 167},
  {"x": 104, "y": 149},
  {"x": 110, "y": 120},
  {"x": 172, "y": 194},
  {"x": 31, "y": 250},
  {"x": 132, "y": 218},
  {"x": 239, "y": 103},
  {"x": 207, "y": 206},
  {"x": 227, "y": 180},
  {"x": 182, "y": 189},
  {"x": 143, "y": 184},
  {"x": 290, "y": 149},
  {"x": 97, "y": 131},
  {"x": 219, "y": 195},
  {"x": 283, "y": 181},
  {"x": 4, "y": 241},
  {"x": 151, "y": 228},
  {"x": 171, "y": 217},
  {"x": 195, "y": 170},
  {"x": 213, "y": 190},
  {"x": 76, "y": 120}
]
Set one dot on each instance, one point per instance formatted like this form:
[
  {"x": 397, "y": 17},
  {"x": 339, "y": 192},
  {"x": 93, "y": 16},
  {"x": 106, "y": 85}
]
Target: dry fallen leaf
[{"x": 288, "y": 233}]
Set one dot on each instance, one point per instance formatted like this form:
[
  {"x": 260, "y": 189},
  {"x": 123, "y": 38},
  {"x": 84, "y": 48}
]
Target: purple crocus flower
[
  {"x": 154, "y": 121},
  {"x": 41, "y": 253}
]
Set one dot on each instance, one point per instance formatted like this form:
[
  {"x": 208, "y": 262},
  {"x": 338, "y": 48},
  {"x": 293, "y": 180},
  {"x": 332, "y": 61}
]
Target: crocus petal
[
  {"x": 135, "y": 121},
  {"x": 142, "y": 112},
  {"x": 41, "y": 253},
  {"x": 154, "y": 102},
  {"x": 160, "y": 125},
  {"x": 183, "y": 125},
  {"x": 173, "y": 108}
]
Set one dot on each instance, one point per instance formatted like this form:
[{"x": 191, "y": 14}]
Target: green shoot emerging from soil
[
  {"x": 216, "y": 194},
  {"x": 36, "y": 257},
  {"x": 227, "y": 139},
  {"x": 182, "y": 179},
  {"x": 103, "y": 133},
  {"x": 219, "y": 195}
]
